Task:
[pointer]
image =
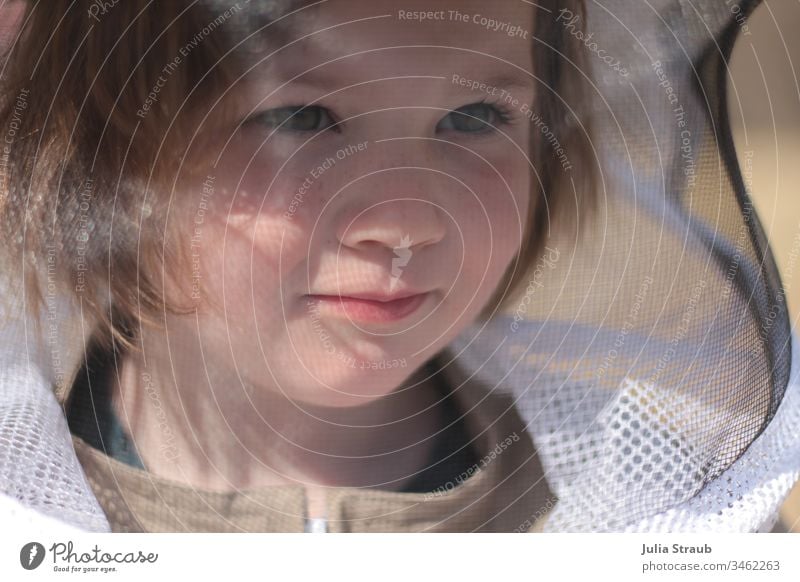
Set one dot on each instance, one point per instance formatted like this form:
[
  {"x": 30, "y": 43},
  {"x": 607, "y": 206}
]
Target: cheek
[
  {"x": 494, "y": 221},
  {"x": 237, "y": 256},
  {"x": 263, "y": 217},
  {"x": 272, "y": 178}
]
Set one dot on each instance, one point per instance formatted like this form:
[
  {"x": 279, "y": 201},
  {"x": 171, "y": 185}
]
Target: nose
[{"x": 400, "y": 223}]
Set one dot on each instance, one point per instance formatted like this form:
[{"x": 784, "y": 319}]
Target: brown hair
[
  {"x": 563, "y": 196},
  {"x": 85, "y": 156}
]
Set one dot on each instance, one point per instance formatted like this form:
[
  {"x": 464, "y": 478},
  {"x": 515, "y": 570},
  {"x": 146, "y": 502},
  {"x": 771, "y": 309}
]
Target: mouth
[{"x": 371, "y": 307}]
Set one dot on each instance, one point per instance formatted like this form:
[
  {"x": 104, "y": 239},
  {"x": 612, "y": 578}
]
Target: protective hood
[{"x": 651, "y": 358}]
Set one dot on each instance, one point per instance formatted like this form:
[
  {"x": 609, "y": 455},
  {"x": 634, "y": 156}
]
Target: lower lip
[{"x": 372, "y": 311}]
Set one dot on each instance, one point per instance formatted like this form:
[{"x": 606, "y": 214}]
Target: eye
[
  {"x": 295, "y": 118},
  {"x": 474, "y": 118}
]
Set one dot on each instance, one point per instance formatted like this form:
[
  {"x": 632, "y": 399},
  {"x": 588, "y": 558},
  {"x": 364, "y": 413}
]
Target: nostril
[
  {"x": 397, "y": 243},
  {"x": 396, "y": 225}
]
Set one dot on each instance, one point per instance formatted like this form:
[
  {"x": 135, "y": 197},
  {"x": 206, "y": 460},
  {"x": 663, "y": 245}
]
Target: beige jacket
[{"x": 506, "y": 493}]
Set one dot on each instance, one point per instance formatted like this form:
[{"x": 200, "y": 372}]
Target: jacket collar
[{"x": 504, "y": 491}]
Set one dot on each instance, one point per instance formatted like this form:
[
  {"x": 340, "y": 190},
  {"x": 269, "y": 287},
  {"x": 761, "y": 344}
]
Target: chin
[{"x": 351, "y": 388}]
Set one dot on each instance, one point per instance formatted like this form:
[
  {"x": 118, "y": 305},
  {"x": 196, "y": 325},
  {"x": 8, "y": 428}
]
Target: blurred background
[{"x": 764, "y": 105}]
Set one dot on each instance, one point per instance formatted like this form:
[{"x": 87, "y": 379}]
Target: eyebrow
[
  {"x": 518, "y": 80},
  {"x": 319, "y": 78}
]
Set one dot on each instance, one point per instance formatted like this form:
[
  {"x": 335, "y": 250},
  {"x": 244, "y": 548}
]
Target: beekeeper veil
[
  {"x": 649, "y": 354},
  {"x": 653, "y": 358}
]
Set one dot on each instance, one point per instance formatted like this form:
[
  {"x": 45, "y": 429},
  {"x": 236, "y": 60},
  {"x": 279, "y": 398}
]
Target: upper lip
[{"x": 372, "y": 296}]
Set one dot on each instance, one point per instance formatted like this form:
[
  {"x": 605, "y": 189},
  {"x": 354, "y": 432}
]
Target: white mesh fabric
[
  {"x": 38, "y": 466},
  {"x": 603, "y": 452},
  {"x": 746, "y": 497},
  {"x": 38, "y": 463}
]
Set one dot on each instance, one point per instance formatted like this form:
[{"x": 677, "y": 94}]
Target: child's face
[{"x": 402, "y": 196}]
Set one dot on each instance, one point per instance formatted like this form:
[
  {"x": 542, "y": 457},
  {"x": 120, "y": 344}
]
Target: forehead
[{"x": 382, "y": 38}]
